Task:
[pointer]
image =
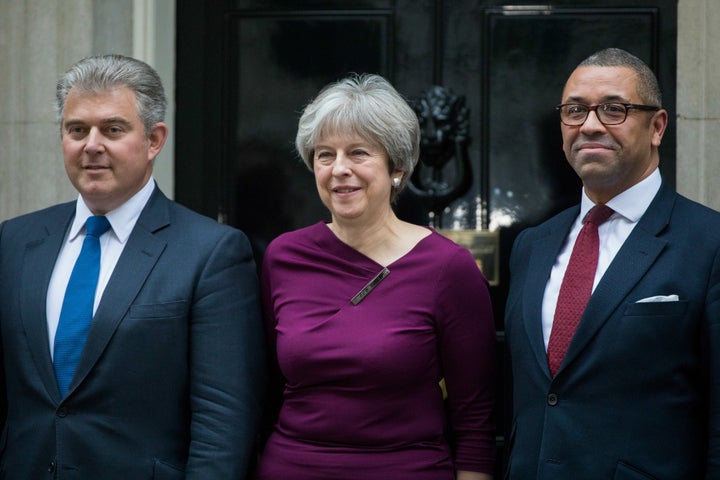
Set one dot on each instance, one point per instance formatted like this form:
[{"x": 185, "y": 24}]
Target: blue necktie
[{"x": 77, "y": 308}]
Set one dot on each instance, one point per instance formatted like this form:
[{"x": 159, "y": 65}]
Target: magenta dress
[{"x": 362, "y": 398}]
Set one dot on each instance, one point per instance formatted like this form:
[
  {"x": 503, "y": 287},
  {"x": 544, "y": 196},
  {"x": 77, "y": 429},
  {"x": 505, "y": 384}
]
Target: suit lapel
[
  {"x": 636, "y": 256},
  {"x": 135, "y": 264},
  {"x": 544, "y": 251},
  {"x": 39, "y": 262}
]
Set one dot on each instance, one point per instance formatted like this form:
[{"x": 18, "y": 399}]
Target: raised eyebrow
[
  {"x": 116, "y": 120},
  {"x": 105, "y": 122},
  {"x": 352, "y": 146},
  {"x": 605, "y": 99},
  {"x": 72, "y": 123},
  {"x": 362, "y": 146}
]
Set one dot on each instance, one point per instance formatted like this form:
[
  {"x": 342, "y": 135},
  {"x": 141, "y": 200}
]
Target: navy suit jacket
[
  {"x": 638, "y": 394},
  {"x": 169, "y": 384}
]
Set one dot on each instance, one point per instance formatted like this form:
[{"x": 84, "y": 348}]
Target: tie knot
[
  {"x": 598, "y": 214},
  {"x": 96, "y": 225}
]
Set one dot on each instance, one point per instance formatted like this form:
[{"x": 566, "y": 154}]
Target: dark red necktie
[{"x": 576, "y": 285}]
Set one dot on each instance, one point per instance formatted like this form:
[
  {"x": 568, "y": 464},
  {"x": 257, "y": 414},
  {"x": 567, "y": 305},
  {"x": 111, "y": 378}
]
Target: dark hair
[{"x": 647, "y": 84}]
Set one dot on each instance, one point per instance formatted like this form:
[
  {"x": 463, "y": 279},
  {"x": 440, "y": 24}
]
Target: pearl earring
[{"x": 396, "y": 182}]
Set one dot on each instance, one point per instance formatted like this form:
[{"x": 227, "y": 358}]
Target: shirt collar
[
  {"x": 122, "y": 219},
  {"x": 631, "y": 203}
]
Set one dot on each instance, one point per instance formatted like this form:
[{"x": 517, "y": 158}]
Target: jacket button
[
  {"x": 62, "y": 412},
  {"x": 552, "y": 399},
  {"x": 51, "y": 467}
]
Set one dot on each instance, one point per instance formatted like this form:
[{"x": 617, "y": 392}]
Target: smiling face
[
  {"x": 108, "y": 157},
  {"x": 610, "y": 159},
  {"x": 352, "y": 178}
]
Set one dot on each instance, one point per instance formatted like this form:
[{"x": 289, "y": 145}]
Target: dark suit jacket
[
  {"x": 631, "y": 398},
  {"x": 170, "y": 381}
]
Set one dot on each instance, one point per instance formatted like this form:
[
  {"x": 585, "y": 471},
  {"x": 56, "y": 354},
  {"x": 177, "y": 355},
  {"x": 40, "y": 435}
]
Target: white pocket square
[{"x": 660, "y": 298}]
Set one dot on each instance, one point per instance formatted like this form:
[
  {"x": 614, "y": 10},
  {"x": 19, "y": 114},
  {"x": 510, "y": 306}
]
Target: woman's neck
[
  {"x": 384, "y": 240},
  {"x": 358, "y": 231}
]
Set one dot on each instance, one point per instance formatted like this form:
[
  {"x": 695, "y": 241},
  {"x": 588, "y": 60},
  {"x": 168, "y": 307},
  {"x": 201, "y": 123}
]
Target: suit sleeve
[
  {"x": 276, "y": 381},
  {"x": 518, "y": 260},
  {"x": 712, "y": 348},
  {"x": 227, "y": 363},
  {"x": 3, "y": 386}
]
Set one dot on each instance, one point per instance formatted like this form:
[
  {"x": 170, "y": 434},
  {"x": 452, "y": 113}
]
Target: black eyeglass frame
[{"x": 593, "y": 108}]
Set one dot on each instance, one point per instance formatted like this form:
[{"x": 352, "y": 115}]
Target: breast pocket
[
  {"x": 625, "y": 471},
  {"x": 159, "y": 310},
  {"x": 165, "y": 471},
  {"x": 155, "y": 327},
  {"x": 657, "y": 309},
  {"x": 651, "y": 331}
]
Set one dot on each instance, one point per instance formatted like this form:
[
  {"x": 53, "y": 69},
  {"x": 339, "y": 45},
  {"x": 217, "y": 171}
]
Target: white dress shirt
[
  {"x": 122, "y": 221},
  {"x": 629, "y": 207}
]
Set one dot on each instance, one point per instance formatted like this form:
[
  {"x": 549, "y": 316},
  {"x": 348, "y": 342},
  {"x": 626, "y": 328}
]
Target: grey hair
[
  {"x": 647, "y": 83},
  {"x": 99, "y": 74},
  {"x": 369, "y": 106}
]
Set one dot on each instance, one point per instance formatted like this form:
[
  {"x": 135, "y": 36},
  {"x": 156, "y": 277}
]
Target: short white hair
[{"x": 369, "y": 106}]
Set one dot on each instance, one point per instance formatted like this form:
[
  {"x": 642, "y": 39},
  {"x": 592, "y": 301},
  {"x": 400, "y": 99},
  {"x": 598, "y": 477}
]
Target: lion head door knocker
[{"x": 443, "y": 173}]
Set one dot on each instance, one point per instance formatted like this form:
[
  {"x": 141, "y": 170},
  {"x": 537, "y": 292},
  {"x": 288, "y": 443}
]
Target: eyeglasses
[{"x": 575, "y": 114}]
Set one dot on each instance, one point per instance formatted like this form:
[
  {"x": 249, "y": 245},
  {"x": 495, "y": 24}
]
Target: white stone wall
[
  {"x": 39, "y": 40},
  {"x": 698, "y": 101}
]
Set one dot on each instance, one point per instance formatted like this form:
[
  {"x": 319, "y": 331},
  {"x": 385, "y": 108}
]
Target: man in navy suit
[
  {"x": 637, "y": 393},
  {"x": 170, "y": 376}
]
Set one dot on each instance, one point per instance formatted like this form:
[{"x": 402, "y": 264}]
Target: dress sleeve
[{"x": 466, "y": 334}]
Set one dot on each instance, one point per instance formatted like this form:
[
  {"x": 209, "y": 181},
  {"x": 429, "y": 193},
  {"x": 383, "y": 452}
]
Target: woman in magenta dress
[{"x": 369, "y": 316}]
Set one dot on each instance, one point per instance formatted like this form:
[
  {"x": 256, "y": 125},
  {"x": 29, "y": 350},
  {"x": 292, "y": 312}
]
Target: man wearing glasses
[{"x": 613, "y": 315}]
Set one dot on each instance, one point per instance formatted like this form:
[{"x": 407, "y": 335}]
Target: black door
[{"x": 246, "y": 68}]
